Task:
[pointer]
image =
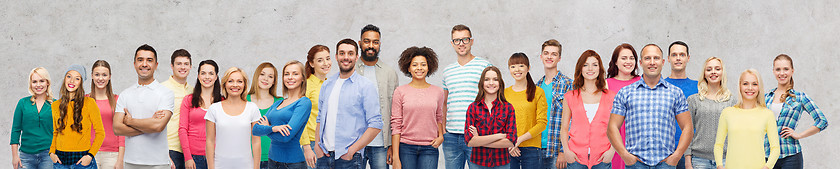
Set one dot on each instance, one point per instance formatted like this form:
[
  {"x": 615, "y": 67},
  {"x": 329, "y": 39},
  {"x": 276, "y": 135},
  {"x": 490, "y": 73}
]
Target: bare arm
[
  {"x": 502, "y": 143},
  {"x": 485, "y": 140},
  {"x": 615, "y": 136},
  {"x": 684, "y": 120},
  {"x": 210, "y": 148},
  {"x": 149, "y": 125},
  {"x": 120, "y": 128}
]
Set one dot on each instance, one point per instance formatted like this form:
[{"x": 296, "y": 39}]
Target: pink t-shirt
[
  {"x": 615, "y": 85},
  {"x": 416, "y": 113},
  {"x": 112, "y": 142},
  {"x": 191, "y": 129}
]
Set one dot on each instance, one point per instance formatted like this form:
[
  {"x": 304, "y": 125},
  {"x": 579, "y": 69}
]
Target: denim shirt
[{"x": 358, "y": 110}]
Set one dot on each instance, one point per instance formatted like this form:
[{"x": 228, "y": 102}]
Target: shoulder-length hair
[
  {"x": 197, "y": 101},
  {"x": 759, "y": 96},
  {"x": 41, "y": 71},
  {"x": 612, "y": 70},
  {"x": 255, "y": 84},
  {"x": 703, "y": 85},
  {"x": 500, "y": 95},
  {"x": 600, "y": 81},
  {"x": 302, "y": 80},
  {"x": 227, "y": 76}
]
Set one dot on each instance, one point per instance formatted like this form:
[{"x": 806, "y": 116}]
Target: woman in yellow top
[
  {"x": 74, "y": 117},
  {"x": 745, "y": 125},
  {"x": 316, "y": 69},
  {"x": 530, "y": 106}
]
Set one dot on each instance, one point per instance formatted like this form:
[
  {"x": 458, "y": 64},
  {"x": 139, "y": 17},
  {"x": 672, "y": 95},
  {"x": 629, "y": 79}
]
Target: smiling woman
[
  {"x": 74, "y": 118},
  {"x": 231, "y": 120}
]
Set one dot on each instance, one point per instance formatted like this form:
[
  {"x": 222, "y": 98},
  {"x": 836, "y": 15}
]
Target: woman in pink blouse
[
  {"x": 191, "y": 129},
  {"x": 417, "y": 112},
  {"x": 111, "y": 153},
  {"x": 621, "y": 72}
]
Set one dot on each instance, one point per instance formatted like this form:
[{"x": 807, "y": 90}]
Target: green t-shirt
[{"x": 265, "y": 141}]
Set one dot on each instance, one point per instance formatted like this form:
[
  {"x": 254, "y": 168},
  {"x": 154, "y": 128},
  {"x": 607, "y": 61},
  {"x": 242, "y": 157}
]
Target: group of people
[{"x": 598, "y": 118}]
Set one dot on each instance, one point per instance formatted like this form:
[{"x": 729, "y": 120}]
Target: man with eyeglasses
[
  {"x": 678, "y": 57},
  {"x": 378, "y": 152},
  {"x": 460, "y": 83}
]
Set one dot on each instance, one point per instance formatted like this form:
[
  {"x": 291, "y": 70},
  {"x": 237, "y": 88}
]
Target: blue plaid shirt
[
  {"x": 649, "y": 115},
  {"x": 562, "y": 84},
  {"x": 789, "y": 116}
]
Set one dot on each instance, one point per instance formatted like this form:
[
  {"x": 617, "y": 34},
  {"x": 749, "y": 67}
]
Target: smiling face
[
  {"x": 145, "y": 64},
  {"x": 491, "y": 83},
  {"x": 713, "y": 71},
  {"x": 783, "y": 71},
  {"x": 207, "y": 75},
  {"x": 322, "y": 62},
  {"x": 346, "y": 56},
  {"x": 293, "y": 76},
  {"x": 678, "y": 57},
  {"x": 72, "y": 81},
  {"x": 462, "y": 49},
  {"x": 370, "y": 45},
  {"x": 591, "y": 68},
  {"x": 235, "y": 85},
  {"x": 38, "y": 85},
  {"x": 749, "y": 87},
  {"x": 550, "y": 56},
  {"x": 626, "y": 61},
  {"x": 181, "y": 67},
  {"x": 419, "y": 67},
  {"x": 651, "y": 61},
  {"x": 266, "y": 78},
  {"x": 101, "y": 77},
  {"x": 518, "y": 71}
]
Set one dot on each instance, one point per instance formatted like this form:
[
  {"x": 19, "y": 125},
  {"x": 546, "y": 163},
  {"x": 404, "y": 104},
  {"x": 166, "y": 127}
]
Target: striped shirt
[
  {"x": 789, "y": 117},
  {"x": 462, "y": 84},
  {"x": 562, "y": 84},
  {"x": 649, "y": 113}
]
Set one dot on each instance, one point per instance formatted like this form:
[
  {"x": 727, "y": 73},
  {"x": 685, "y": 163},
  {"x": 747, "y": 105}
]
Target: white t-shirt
[
  {"x": 142, "y": 101},
  {"x": 776, "y": 108},
  {"x": 591, "y": 109},
  {"x": 332, "y": 114},
  {"x": 233, "y": 135},
  {"x": 370, "y": 73}
]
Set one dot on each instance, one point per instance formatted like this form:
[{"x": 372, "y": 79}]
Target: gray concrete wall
[{"x": 746, "y": 34}]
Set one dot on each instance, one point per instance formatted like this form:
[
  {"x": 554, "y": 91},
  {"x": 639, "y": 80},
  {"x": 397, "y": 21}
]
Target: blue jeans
[
  {"x": 418, "y": 157},
  {"x": 376, "y": 156},
  {"x": 263, "y": 164},
  {"x": 576, "y": 165},
  {"x": 640, "y": 165},
  {"x": 476, "y": 166},
  {"x": 702, "y": 163},
  {"x": 200, "y": 161},
  {"x": 278, "y": 165},
  {"x": 177, "y": 159},
  {"x": 330, "y": 162},
  {"x": 455, "y": 151},
  {"x": 529, "y": 157},
  {"x": 681, "y": 164},
  {"x": 547, "y": 162},
  {"x": 795, "y": 162},
  {"x": 73, "y": 165},
  {"x": 36, "y": 161}
]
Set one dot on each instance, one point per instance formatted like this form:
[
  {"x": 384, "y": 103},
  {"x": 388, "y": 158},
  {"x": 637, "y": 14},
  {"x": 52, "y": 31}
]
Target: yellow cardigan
[
  {"x": 530, "y": 116},
  {"x": 70, "y": 141}
]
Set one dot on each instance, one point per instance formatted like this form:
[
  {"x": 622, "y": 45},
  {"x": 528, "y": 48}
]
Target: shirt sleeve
[
  {"x": 96, "y": 121},
  {"x": 396, "y": 113},
  {"x": 542, "y": 119},
  {"x": 680, "y": 105},
  {"x": 469, "y": 122},
  {"x": 211, "y": 114},
  {"x": 619, "y": 103},
  {"x": 511, "y": 122},
  {"x": 720, "y": 137},
  {"x": 370, "y": 101},
  {"x": 119, "y": 107},
  {"x": 166, "y": 102},
  {"x": 183, "y": 127},
  {"x": 17, "y": 122},
  {"x": 773, "y": 138},
  {"x": 808, "y": 105}
]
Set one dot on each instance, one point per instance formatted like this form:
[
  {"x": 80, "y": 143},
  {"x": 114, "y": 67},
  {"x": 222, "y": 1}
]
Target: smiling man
[
  {"x": 646, "y": 107},
  {"x": 348, "y": 117},
  {"x": 142, "y": 113},
  {"x": 678, "y": 57},
  {"x": 181, "y": 62},
  {"x": 378, "y": 152}
]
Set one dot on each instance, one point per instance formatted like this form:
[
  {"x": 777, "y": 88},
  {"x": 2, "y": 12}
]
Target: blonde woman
[
  {"x": 32, "y": 124},
  {"x": 231, "y": 120},
  {"x": 744, "y": 126},
  {"x": 705, "y": 108}
]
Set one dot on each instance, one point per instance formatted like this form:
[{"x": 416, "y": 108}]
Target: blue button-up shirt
[
  {"x": 649, "y": 114},
  {"x": 358, "y": 110},
  {"x": 792, "y": 109}
]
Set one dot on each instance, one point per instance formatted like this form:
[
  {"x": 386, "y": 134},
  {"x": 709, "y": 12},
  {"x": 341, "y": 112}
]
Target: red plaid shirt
[{"x": 501, "y": 120}]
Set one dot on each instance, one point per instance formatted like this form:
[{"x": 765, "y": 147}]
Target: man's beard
[{"x": 370, "y": 58}]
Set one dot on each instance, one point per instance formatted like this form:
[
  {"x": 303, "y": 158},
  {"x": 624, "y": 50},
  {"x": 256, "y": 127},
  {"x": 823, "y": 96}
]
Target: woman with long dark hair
[
  {"x": 191, "y": 128},
  {"x": 74, "y": 118}
]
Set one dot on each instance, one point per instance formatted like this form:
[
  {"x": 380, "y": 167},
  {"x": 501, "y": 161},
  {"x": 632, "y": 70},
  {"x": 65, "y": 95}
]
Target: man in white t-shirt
[{"x": 142, "y": 112}]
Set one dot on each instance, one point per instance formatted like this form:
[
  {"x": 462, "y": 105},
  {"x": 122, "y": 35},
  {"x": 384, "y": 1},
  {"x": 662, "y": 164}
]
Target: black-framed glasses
[{"x": 466, "y": 40}]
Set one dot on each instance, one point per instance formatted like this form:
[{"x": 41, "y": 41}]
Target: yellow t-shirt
[
  {"x": 178, "y": 91},
  {"x": 313, "y": 89},
  {"x": 530, "y": 116},
  {"x": 70, "y": 141},
  {"x": 745, "y": 129}
]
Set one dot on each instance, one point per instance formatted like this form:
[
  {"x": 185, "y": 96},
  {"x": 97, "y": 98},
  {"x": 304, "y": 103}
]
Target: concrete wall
[{"x": 746, "y": 34}]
